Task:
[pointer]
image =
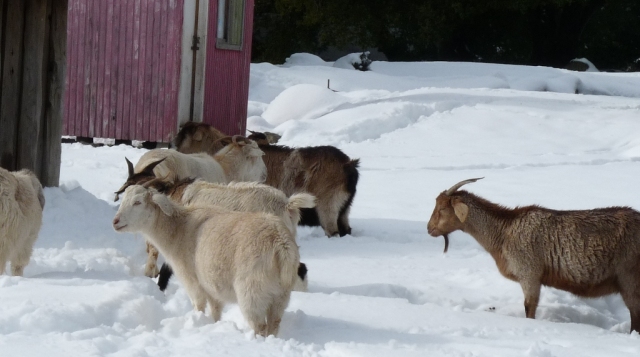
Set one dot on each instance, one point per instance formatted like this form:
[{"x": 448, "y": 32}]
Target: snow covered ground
[{"x": 388, "y": 290}]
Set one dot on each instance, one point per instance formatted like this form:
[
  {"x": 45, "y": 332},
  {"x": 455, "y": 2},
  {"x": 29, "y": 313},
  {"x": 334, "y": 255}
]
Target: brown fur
[
  {"x": 198, "y": 137},
  {"x": 589, "y": 253},
  {"x": 323, "y": 171}
]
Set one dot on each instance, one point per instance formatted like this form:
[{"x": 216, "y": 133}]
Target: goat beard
[{"x": 446, "y": 242}]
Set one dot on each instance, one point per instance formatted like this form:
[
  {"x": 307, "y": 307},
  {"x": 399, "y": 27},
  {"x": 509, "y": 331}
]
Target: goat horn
[
  {"x": 149, "y": 168},
  {"x": 151, "y": 182},
  {"x": 455, "y": 187},
  {"x": 235, "y": 138},
  {"x": 129, "y": 166},
  {"x": 164, "y": 180}
]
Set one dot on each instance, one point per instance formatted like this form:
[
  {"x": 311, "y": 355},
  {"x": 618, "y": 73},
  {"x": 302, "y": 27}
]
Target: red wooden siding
[
  {"x": 123, "y": 68},
  {"x": 226, "y": 87}
]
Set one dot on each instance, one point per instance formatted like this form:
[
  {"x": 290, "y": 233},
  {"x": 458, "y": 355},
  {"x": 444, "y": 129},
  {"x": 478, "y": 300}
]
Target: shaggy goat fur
[
  {"x": 240, "y": 160},
  {"x": 235, "y": 196},
  {"x": 589, "y": 253},
  {"x": 198, "y": 137},
  {"x": 220, "y": 256},
  {"x": 323, "y": 171},
  {"x": 237, "y": 161},
  {"x": 21, "y": 204}
]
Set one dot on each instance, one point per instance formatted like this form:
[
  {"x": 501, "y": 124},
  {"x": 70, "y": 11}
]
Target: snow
[{"x": 387, "y": 290}]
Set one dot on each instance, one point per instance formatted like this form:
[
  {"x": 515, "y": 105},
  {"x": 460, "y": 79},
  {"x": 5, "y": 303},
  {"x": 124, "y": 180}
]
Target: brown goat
[
  {"x": 323, "y": 171},
  {"x": 198, "y": 137},
  {"x": 589, "y": 253}
]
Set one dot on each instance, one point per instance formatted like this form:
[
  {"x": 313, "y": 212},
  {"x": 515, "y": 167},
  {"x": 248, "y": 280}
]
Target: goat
[
  {"x": 239, "y": 160},
  {"x": 220, "y": 256},
  {"x": 589, "y": 253},
  {"x": 323, "y": 171},
  {"x": 236, "y": 196},
  {"x": 21, "y": 204},
  {"x": 198, "y": 137},
  {"x": 264, "y": 138}
]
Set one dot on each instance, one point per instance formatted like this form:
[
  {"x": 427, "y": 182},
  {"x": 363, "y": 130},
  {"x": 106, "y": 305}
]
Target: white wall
[{"x": 187, "y": 60}]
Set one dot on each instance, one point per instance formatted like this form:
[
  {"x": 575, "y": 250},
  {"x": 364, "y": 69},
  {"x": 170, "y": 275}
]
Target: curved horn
[
  {"x": 455, "y": 187},
  {"x": 163, "y": 181},
  {"x": 243, "y": 141},
  {"x": 149, "y": 168},
  {"x": 129, "y": 166}
]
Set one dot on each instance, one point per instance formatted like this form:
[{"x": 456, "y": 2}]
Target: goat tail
[
  {"x": 301, "y": 200},
  {"x": 288, "y": 257},
  {"x": 297, "y": 202}
]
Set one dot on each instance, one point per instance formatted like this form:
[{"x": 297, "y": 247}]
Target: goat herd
[{"x": 230, "y": 238}]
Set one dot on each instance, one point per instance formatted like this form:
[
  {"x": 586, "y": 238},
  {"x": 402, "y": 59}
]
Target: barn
[{"x": 138, "y": 69}]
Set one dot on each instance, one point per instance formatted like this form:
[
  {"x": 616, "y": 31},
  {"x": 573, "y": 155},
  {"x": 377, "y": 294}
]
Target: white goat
[
  {"x": 239, "y": 160},
  {"x": 250, "y": 197},
  {"x": 236, "y": 196},
  {"x": 220, "y": 256},
  {"x": 21, "y": 205}
]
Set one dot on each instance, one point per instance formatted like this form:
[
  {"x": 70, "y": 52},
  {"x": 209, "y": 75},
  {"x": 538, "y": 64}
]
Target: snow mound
[
  {"x": 304, "y": 59},
  {"x": 302, "y": 101},
  {"x": 348, "y": 61}
]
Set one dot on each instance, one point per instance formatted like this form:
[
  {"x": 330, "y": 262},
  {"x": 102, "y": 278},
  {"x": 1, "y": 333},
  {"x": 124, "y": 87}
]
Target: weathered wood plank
[
  {"x": 71, "y": 81},
  {"x": 157, "y": 7},
  {"x": 94, "y": 33},
  {"x": 34, "y": 81},
  {"x": 11, "y": 83},
  {"x": 135, "y": 59},
  {"x": 161, "y": 73},
  {"x": 122, "y": 40},
  {"x": 3, "y": 20},
  {"x": 82, "y": 128},
  {"x": 54, "y": 112},
  {"x": 128, "y": 55},
  {"x": 99, "y": 68},
  {"x": 142, "y": 60},
  {"x": 105, "y": 110},
  {"x": 115, "y": 49}
]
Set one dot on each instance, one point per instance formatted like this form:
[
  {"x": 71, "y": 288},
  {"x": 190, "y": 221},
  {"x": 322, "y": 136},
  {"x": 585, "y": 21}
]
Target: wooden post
[
  {"x": 10, "y": 80},
  {"x": 54, "y": 107},
  {"x": 34, "y": 84},
  {"x": 32, "y": 69}
]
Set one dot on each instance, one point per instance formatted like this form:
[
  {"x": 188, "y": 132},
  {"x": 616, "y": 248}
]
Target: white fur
[
  {"x": 220, "y": 256},
  {"x": 250, "y": 197},
  {"x": 232, "y": 163},
  {"x": 239, "y": 162},
  {"x": 246, "y": 197},
  {"x": 21, "y": 205}
]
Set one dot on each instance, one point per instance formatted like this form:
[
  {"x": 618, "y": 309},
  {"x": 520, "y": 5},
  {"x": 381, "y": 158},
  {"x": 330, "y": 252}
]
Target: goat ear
[
  {"x": 163, "y": 203},
  {"x": 461, "y": 210}
]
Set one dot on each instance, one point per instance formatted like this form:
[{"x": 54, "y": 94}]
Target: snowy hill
[{"x": 387, "y": 290}]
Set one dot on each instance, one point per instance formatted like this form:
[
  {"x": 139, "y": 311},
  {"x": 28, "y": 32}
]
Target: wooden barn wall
[
  {"x": 226, "y": 91},
  {"x": 32, "y": 67},
  {"x": 123, "y": 69}
]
